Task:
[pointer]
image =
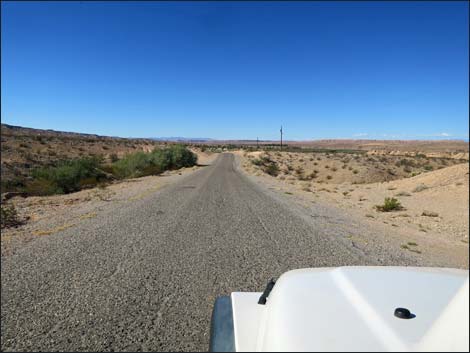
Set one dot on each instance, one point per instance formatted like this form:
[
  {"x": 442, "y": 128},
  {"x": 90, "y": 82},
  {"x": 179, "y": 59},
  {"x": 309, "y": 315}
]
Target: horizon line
[{"x": 436, "y": 137}]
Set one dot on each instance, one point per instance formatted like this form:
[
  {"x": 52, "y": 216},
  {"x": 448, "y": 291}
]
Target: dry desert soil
[{"x": 433, "y": 221}]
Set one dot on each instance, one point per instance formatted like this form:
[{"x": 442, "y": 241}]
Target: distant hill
[{"x": 183, "y": 139}]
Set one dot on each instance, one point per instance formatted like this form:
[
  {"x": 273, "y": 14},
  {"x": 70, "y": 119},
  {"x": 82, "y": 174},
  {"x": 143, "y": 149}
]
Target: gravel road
[{"x": 144, "y": 275}]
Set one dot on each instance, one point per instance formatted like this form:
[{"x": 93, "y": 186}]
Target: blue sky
[{"x": 238, "y": 70}]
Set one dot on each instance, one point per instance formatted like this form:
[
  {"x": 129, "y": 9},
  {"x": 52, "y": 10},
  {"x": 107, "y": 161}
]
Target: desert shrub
[
  {"x": 134, "y": 165},
  {"x": 258, "y": 162},
  {"x": 334, "y": 169},
  {"x": 179, "y": 155},
  {"x": 9, "y": 216},
  {"x": 299, "y": 170},
  {"x": 355, "y": 171},
  {"x": 13, "y": 184},
  {"x": 271, "y": 169},
  {"x": 390, "y": 204},
  {"x": 141, "y": 164},
  {"x": 66, "y": 177},
  {"x": 428, "y": 167},
  {"x": 405, "y": 162},
  {"x": 329, "y": 177},
  {"x": 42, "y": 187}
]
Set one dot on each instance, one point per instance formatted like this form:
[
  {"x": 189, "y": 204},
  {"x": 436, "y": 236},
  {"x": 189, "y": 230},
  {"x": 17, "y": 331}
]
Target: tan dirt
[{"x": 436, "y": 203}]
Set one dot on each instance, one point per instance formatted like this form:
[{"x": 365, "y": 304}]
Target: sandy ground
[
  {"x": 46, "y": 215},
  {"x": 433, "y": 223}
]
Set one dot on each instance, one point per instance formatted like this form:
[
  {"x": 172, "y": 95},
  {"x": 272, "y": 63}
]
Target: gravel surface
[{"x": 144, "y": 275}]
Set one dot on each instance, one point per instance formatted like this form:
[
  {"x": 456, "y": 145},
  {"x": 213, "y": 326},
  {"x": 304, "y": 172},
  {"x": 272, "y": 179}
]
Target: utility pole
[
  {"x": 257, "y": 143},
  {"x": 281, "y": 137}
]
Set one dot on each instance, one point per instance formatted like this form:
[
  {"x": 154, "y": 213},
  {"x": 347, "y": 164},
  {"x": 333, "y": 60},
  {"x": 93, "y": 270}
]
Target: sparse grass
[{"x": 390, "y": 204}]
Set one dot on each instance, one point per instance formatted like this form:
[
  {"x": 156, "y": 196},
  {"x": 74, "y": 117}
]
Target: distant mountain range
[{"x": 182, "y": 139}]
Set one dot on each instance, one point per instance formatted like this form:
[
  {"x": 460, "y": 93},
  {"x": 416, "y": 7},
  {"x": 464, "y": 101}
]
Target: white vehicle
[{"x": 348, "y": 309}]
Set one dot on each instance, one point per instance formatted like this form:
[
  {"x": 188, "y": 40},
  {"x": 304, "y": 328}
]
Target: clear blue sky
[{"x": 238, "y": 70}]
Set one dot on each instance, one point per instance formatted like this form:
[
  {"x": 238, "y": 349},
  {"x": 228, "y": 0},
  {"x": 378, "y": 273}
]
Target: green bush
[
  {"x": 132, "y": 165},
  {"x": 66, "y": 177},
  {"x": 141, "y": 164},
  {"x": 74, "y": 175},
  {"x": 180, "y": 157},
  {"x": 390, "y": 204}
]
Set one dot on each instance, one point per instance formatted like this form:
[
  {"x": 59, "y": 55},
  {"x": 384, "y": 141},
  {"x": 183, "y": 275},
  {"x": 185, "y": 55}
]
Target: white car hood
[{"x": 352, "y": 309}]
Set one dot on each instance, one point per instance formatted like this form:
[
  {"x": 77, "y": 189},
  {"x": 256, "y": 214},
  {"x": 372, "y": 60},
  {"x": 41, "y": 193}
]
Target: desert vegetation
[
  {"x": 43, "y": 162},
  {"x": 72, "y": 175},
  {"x": 336, "y": 167},
  {"x": 390, "y": 204},
  {"x": 25, "y": 150},
  {"x": 9, "y": 216},
  {"x": 412, "y": 194}
]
